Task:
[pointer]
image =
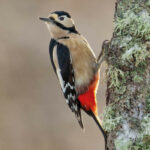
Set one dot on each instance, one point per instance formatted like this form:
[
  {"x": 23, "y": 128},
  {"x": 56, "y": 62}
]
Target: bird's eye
[{"x": 61, "y": 18}]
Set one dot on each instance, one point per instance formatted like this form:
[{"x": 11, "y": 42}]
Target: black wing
[{"x": 65, "y": 74}]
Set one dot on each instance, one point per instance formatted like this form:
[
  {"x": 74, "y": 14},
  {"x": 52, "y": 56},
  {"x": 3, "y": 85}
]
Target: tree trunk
[{"x": 126, "y": 118}]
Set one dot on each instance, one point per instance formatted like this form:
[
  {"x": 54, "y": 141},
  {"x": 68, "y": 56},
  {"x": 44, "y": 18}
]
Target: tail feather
[
  {"x": 79, "y": 118},
  {"x": 98, "y": 122}
]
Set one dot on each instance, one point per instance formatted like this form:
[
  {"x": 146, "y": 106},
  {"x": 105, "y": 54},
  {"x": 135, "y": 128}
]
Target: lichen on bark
[{"x": 127, "y": 115}]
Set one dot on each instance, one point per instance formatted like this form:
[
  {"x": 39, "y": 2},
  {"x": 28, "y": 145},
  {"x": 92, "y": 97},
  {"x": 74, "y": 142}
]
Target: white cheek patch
[{"x": 67, "y": 22}]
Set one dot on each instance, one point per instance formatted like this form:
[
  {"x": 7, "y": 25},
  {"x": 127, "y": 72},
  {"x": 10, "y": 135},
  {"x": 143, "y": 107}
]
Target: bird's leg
[{"x": 102, "y": 54}]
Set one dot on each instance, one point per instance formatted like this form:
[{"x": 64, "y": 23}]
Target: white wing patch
[
  {"x": 55, "y": 59},
  {"x": 62, "y": 64},
  {"x": 62, "y": 83}
]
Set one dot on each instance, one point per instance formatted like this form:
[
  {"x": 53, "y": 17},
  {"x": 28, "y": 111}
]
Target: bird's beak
[{"x": 46, "y": 19}]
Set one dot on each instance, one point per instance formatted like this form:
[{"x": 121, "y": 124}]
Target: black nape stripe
[
  {"x": 70, "y": 29},
  {"x": 64, "y": 37},
  {"x": 62, "y": 13}
]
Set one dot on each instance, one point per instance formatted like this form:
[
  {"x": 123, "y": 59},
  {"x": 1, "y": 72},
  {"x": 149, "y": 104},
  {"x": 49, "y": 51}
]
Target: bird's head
[{"x": 59, "y": 24}]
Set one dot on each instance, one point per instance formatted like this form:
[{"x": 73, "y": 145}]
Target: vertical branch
[{"x": 127, "y": 115}]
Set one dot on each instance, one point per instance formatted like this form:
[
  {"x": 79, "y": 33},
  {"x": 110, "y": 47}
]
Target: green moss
[
  {"x": 148, "y": 3},
  {"x": 136, "y": 54},
  {"x": 125, "y": 42},
  {"x": 132, "y": 28},
  {"x": 117, "y": 79},
  {"x": 143, "y": 140},
  {"x": 110, "y": 119},
  {"x": 140, "y": 145},
  {"x": 137, "y": 77},
  {"x": 148, "y": 103},
  {"x": 148, "y": 99},
  {"x": 145, "y": 126},
  {"x": 122, "y": 144},
  {"x": 128, "y": 58},
  {"x": 116, "y": 76},
  {"x": 133, "y": 22}
]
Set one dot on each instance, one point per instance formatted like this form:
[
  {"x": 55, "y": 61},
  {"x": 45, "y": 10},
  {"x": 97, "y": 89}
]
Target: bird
[{"x": 75, "y": 65}]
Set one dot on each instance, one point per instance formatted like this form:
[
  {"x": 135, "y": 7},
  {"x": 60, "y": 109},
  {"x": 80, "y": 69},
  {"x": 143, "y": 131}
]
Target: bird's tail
[
  {"x": 79, "y": 118},
  {"x": 98, "y": 122}
]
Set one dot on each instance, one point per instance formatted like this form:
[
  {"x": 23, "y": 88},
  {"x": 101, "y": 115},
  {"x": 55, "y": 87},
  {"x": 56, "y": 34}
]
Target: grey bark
[{"x": 127, "y": 115}]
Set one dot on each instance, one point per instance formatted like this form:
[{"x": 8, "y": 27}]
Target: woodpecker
[{"x": 75, "y": 65}]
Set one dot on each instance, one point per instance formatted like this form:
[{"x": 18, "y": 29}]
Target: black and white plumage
[
  {"x": 62, "y": 64},
  {"x": 67, "y": 48},
  {"x": 75, "y": 65}
]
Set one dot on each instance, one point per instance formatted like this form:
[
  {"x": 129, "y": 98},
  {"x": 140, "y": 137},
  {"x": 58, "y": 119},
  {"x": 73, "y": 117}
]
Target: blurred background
[{"x": 33, "y": 112}]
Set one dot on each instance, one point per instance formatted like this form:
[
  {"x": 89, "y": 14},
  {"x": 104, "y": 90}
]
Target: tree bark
[{"x": 126, "y": 118}]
